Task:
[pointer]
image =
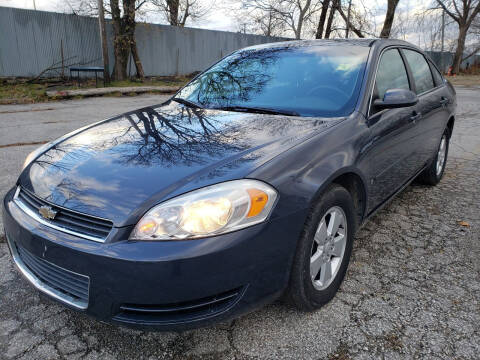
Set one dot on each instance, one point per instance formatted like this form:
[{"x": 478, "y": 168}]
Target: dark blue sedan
[{"x": 247, "y": 185}]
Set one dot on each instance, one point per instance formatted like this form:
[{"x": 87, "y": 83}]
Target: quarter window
[
  {"x": 391, "y": 74},
  {"x": 420, "y": 71}
]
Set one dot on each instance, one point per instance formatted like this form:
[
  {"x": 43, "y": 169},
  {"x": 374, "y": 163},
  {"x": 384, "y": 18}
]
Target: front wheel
[
  {"x": 323, "y": 251},
  {"x": 434, "y": 172}
]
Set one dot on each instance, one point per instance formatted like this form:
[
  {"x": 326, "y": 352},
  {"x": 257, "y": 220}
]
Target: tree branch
[
  {"x": 452, "y": 15},
  {"x": 349, "y": 23}
]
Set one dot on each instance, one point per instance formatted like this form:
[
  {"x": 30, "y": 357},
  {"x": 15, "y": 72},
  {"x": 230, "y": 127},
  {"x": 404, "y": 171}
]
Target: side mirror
[{"x": 396, "y": 98}]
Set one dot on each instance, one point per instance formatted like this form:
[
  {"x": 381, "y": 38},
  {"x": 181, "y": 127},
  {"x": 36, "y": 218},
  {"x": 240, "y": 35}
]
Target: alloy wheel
[
  {"x": 328, "y": 248},
  {"x": 442, "y": 153}
]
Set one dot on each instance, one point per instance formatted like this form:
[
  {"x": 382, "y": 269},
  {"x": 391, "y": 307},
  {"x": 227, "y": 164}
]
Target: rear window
[
  {"x": 436, "y": 75},
  {"x": 420, "y": 71}
]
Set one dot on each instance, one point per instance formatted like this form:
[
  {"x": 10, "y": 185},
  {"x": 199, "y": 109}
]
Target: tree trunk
[
  {"x": 301, "y": 18},
  {"x": 136, "y": 59},
  {"x": 323, "y": 17},
  {"x": 119, "y": 50},
  {"x": 387, "y": 24},
  {"x": 348, "y": 18},
  {"x": 328, "y": 30},
  {"x": 457, "y": 59},
  {"x": 103, "y": 38},
  {"x": 124, "y": 39},
  {"x": 173, "y": 6}
]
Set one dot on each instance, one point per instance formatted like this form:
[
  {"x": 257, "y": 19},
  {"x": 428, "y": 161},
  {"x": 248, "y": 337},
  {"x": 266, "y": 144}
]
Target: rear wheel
[
  {"x": 434, "y": 172},
  {"x": 323, "y": 251}
]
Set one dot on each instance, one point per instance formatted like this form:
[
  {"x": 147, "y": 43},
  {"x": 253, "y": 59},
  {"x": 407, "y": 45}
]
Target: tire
[
  {"x": 307, "y": 292},
  {"x": 434, "y": 172}
]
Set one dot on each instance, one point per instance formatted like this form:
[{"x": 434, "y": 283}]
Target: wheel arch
[
  {"x": 354, "y": 183},
  {"x": 450, "y": 124}
]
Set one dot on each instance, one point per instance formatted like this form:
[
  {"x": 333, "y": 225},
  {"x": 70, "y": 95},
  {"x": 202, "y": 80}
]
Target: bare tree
[
  {"x": 268, "y": 24},
  {"x": 350, "y": 19},
  {"x": 177, "y": 12},
  {"x": 124, "y": 42},
  {"x": 331, "y": 16},
  {"x": 474, "y": 47},
  {"x": 321, "y": 21},
  {"x": 428, "y": 25},
  {"x": 389, "y": 16},
  {"x": 259, "y": 18},
  {"x": 297, "y": 13},
  {"x": 294, "y": 15},
  {"x": 463, "y": 12},
  {"x": 123, "y": 19}
]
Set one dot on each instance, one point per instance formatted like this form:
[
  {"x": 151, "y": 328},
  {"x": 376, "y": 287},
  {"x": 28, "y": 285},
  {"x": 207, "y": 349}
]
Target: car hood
[{"x": 118, "y": 168}]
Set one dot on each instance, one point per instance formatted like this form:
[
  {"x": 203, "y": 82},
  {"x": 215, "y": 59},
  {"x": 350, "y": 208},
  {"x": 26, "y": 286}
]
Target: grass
[{"x": 22, "y": 92}]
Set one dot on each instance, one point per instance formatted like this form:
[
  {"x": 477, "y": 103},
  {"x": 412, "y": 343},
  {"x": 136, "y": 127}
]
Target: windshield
[{"x": 308, "y": 81}]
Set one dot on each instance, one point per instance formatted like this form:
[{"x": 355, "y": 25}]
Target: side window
[
  {"x": 391, "y": 74},
  {"x": 436, "y": 75},
  {"x": 420, "y": 71}
]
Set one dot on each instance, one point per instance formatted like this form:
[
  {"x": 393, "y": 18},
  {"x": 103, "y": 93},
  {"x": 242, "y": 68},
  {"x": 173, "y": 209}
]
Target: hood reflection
[{"x": 112, "y": 168}]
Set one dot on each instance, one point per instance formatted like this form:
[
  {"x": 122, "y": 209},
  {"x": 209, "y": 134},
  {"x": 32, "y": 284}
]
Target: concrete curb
[{"x": 112, "y": 90}]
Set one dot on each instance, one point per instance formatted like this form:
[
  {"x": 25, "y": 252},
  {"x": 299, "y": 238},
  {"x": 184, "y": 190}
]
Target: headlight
[{"x": 212, "y": 210}]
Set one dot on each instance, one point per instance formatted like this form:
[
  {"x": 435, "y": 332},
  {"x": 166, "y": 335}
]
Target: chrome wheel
[
  {"x": 442, "y": 153},
  {"x": 328, "y": 248}
]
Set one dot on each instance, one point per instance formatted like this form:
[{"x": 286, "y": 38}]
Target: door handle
[
  {"x": 415, "y": 117},
  {"x": 444, "y": 101}
]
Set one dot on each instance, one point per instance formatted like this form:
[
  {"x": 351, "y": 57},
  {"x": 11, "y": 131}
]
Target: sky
[{"x": 216, "y": 20}]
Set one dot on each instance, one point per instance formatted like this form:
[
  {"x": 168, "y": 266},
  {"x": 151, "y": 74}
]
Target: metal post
[
  {"x": 443, "y": 41},
  {"x": 103, "y": 39}
]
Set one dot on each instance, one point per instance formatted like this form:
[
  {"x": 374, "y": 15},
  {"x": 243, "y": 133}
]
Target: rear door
[
  {"x": 391, "y": 152},
  {"x": 432, "y": 104}
]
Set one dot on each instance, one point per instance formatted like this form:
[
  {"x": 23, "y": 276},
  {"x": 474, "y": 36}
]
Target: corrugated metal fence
[{"x": 32, "y": 41}]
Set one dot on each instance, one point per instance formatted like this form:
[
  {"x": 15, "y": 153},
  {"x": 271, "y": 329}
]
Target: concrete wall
[{"x": 31, "y": 41}]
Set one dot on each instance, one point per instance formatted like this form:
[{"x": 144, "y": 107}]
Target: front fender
[{"x": 302, "y": 173}]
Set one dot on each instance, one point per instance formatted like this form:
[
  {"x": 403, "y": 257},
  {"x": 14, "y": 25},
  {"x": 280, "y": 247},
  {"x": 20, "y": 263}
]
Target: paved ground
[
  {"x": 412, "y": 289},
  {"x": 23, "y": 124}
]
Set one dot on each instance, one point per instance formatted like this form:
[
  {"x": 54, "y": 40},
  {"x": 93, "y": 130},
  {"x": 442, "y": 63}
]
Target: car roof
[{"x": 367, "y": 42}]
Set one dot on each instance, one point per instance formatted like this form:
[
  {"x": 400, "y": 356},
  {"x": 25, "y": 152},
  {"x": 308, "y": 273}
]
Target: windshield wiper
[
  {"x": 257, "y": 110},
  {"x": 187, "y": 102}
]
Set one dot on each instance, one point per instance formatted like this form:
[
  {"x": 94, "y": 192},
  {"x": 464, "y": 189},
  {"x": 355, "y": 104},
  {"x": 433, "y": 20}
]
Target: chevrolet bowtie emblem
[{"x": 47, "y": 212}]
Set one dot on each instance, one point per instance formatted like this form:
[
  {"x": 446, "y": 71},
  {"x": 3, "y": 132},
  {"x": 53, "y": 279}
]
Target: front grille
[
  {"x": 72, "y": 221},
  {"x": 71, "y": 285},
  {"x": 179, "y": 312}
]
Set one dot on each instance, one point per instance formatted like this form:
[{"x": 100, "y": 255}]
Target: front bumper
[{"x": 170, "y": 285}]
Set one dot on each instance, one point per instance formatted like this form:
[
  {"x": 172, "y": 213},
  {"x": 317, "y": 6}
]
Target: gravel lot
[{"x": 412, "y": 289}]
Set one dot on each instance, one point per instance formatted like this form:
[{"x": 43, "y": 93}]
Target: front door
[{"x": 391, "y": 151}]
